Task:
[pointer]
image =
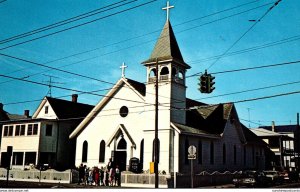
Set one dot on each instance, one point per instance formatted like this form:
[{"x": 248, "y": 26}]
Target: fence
[
  {"x": 40, "y": 176},
  {"x": 202, "y": 179}
]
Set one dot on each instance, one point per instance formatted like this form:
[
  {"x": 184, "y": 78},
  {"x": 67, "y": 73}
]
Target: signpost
[
  {"x": 9, "y": 152},
  {"x": 192, "y": 152}
]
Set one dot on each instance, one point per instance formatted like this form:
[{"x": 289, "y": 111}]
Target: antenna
[
  {"x": 50, "y": 83},
  {"x": 249, "y": 116}
]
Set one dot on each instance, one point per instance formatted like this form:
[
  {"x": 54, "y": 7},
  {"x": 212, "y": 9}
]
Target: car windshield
[
  {"x": 248, "y": 174},
  {"x": 270, "y": 172}
]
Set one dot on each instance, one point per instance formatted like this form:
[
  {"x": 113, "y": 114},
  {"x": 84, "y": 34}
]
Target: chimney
[
  {"x": 26, "y": 113},
  {"x": 1, "y": 106},
  {"x": 74, "y": 98},
  {"x": 273, "y": 126}
]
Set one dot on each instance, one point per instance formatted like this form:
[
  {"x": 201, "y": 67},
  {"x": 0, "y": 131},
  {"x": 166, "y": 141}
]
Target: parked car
[
  {"x": 274, "y": 176},
  {"x": 252, "y": 179},
  {"x": 284, "y": 176},
  {"x": 246, "y": 178}
]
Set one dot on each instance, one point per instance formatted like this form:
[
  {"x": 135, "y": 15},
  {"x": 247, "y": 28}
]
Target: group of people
[{"x": 107, "y": 176}]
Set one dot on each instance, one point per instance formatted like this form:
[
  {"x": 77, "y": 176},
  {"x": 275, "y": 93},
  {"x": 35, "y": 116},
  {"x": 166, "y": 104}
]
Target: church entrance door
[
  {"x": 120, "y": 155},
  {"x": 120, "y": 159}
]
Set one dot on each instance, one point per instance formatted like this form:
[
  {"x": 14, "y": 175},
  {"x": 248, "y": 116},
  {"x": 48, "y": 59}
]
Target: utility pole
[
  {"x": 156, "y": 128},
  {"x": 298, "y": 142}
]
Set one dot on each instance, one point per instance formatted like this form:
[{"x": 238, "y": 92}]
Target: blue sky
[{"x": 130, "y": 37}]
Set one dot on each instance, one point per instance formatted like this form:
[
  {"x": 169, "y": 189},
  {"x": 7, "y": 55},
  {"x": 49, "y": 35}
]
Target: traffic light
[
  {"x": 203, "y": 83},
  {"x": 210, "y": 83}
]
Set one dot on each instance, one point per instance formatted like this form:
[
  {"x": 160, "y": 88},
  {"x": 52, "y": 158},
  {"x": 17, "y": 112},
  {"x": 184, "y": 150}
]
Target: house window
[
  {"x": 49, "y": 130},
  {"x": 17, "y": 131},
  {"x": 29, "y": 129},
  {"x": 200, "y": 152},
  {"x": 102, "y": 152},
  {"x": 22, "y": 132},
  {"x": 46, "y": 109},
  {"x": 35, "y": 129},
  {"x": 212, "y": 153},
  {"x": 186, "y": 147},
  {"x": 234, "y": 154},
  {"x": 224, "y": 154},
  {"x": 5, "y": 131},
  {"x": 84, "y": 151},
  {"x": 10, "y": 130},
  {"x": 32, "y": 129}
]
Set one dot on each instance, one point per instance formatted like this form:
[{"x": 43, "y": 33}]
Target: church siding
[{"x": 107, "y": 122}]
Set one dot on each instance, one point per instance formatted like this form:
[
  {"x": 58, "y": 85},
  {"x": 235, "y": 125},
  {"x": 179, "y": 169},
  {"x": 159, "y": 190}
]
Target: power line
[
  {"x": 79, "y": 25},
  {"x": 57, "y": 69},
  {"x": 63, "y": 22},
  {"x": 150, "y": 32},
  {"x": 133, "y": 45},
  {"x": 266, "y": 97},
  {"x": 251, "y": 68},
  {"x": 249, "y": 90},
  {"x": 285, "y": 40},
  {"x": 69, "y": 89},
  {"x": 244, "y": 34},
  {"x": 53, "y": 68},
  {"x": 258, "y": 67}
]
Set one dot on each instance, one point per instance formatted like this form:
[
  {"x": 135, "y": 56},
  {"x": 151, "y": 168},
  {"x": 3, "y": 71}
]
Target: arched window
[
  {"x": 174, "y": 72},
  {"x": 153, "y": 73},
  {"x": 200, "y": 152},
  {"x": 253, "y": 156},
  {"x": 186, "y": 147},
  {"x": 234, "y": 154},
  {"x": 102, "y": 151},
  {"x": 224, "y": 153},
  {"x": 84, "y": 151},
  {"x": 122, "y": 144},
  {"x": 245, "y": 155},
  {"x": 212, "y": 153},
  {"x": 180, "y": 74},
  {"x": 158, "y": 150},
  {"x": 164, "y": 71},
  {"x": 142, "y": 152}
]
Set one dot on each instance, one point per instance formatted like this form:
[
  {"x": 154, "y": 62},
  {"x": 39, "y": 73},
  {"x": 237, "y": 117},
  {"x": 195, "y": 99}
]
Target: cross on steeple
[
  {"x": 123, "y": 69},
  {"x": 168, "y": 7}
]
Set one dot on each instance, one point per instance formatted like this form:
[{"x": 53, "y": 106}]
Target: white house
[
  {"x": 43, "y": 139},
  {"x": 121, "y": 125}
]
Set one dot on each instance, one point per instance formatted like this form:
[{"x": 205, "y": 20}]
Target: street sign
[{"x": 192, "y": 151}]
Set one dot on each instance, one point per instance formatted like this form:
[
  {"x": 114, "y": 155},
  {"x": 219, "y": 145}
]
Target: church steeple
[{"x": 166, "y": 48}]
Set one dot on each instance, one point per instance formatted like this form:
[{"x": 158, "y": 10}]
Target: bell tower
[
  {"x": 167, "y": 65},
  {"x": 171, "y": 77}
]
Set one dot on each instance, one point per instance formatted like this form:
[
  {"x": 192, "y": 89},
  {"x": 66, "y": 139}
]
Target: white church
[{"x": 121, "y": 126}]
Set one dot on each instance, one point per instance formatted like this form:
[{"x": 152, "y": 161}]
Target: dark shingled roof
[
  {"x": 166, "y": 47},
  {"x": 140, "y": 87},
  {"x": 5, "y": 116},
  {"x": 251, "y": 138},
  {"x": 209, "y": 118},
  {"x": 281, "y": 128},
  {"x": 67, "y": 109}
]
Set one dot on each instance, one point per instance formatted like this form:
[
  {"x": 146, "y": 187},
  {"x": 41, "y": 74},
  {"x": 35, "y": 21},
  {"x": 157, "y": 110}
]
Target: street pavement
[{"x": 28, "y": 185}]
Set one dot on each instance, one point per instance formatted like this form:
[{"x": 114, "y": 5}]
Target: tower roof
[{"x": 166, "y": 47}]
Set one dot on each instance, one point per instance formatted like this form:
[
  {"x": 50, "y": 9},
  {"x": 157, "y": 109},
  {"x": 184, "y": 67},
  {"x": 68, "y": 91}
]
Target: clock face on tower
[{"x": 123, "y": 111}]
